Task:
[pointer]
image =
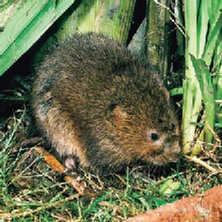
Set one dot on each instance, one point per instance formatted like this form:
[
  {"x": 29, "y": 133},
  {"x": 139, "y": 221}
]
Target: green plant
[{"x": 202, "y": 89}]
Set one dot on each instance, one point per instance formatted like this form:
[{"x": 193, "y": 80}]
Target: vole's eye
[
  {"x": 112, "y": 107},
  {"x": 154, "y": 136},
  {"x": 173, "y": 127}
]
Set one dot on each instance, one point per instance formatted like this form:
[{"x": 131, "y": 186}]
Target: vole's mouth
[
  {"x": 157, "y": 152},
  {"x": 170, "y": 153}
]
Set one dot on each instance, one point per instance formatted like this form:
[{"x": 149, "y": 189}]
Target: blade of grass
[
  {"x": 217, "y": 80},
  {"x": 202, "y": 27},
  {"x": 192, "y": 95},
  {"x": 203, "y": 75},
  {"x": 212, "y": 39}
]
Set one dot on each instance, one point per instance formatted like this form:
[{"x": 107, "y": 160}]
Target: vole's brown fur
[{"x": 99, "y": 105}]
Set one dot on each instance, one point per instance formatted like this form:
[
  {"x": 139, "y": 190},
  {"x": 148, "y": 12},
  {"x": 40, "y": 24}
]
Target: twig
[
  {"x": 125, "y": 183},
  {"x": 203, "y": 164},
  {"x": 216, "y": 137}
]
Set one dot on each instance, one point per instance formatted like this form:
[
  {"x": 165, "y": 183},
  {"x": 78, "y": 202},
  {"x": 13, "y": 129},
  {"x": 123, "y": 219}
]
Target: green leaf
[
  {"x": 212, "y": 39},
  {"x": 202, "y": 27},
  {"x": 168, "y": 187},
  {"x": 207, "y": 90}
]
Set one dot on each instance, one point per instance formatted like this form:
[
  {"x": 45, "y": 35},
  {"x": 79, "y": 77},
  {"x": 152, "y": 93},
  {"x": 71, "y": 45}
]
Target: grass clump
[{"x": 31, "y": 191}]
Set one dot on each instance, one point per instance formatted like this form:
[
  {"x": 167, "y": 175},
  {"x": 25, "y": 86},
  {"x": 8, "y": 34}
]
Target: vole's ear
[
  {"x": 167, "y": 95},
  {"x": 117, "y": 115}
]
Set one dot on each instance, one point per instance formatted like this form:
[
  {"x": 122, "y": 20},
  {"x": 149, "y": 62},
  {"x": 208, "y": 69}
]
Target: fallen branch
[{"x": 204, "y": 207}]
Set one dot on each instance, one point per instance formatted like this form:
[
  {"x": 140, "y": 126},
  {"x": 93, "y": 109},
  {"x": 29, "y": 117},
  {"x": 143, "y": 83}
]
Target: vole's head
[
  {"x": 143, "y": 124},
  {"x": 154, "y": 139}
]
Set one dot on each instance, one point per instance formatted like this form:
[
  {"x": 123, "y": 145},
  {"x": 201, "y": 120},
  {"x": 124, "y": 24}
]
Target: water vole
[{"x": 99, "y": 105}]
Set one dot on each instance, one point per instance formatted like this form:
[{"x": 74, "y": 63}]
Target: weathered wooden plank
[
  {"x": 26, "y": 26},
  {"x": 112, "y": 18},
  {"x": 18, "y": 22}
]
